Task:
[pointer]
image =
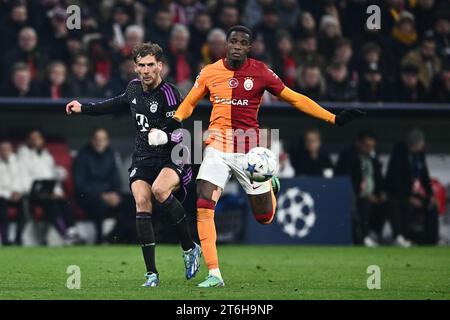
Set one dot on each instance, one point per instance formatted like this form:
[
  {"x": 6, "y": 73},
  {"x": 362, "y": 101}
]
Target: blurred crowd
[
  {"x": 322, "y": 48},
  {"x": 40, "y": 182},
  {"x": 400, "y": 191}
]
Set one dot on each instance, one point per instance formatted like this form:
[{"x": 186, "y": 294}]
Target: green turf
[{"x": 250, "y": 272}]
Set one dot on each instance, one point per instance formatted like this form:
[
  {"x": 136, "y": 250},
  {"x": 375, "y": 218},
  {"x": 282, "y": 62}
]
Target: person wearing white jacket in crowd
[
  {"x": 38, "y": 164},
  {"x": 12, "y": 190}
]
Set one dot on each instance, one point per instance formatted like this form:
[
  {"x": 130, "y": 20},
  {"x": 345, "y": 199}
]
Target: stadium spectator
[
  {"x": 179, "y": 59},
  {"x": 55, "y": 40},
  {"x": 371, "y": 58},
  {"x": 254, "y": 10},
  {"x": 372, "y": 87},
  {"x": 440, "y": 89},
  {"x": 214, "y": 49},
  {"x": 442, "y": 30},
  {"x": 309, "y": 158},
  {"x": 134, "y": 35},
  {"x": 361, "y": 163},
  {"x": 339, "y": 86},
  {"x": 37, "y": 164},
  {"x": 80, "y": 83},
  {"x": 72, "y": 47},
  {"x": 120, "y": 19},
  {"x": 288, "y": 11},
  {"x": 12, "y": 190},
  {"x": 424, "y": 12},
  {"x": 13, "y": 23},
  {"x": 228, "y": 16},
  {"x": 199, "y": 32},
  {"x": 27, "y": 51},
  {"x": 184, "y": 11},
  {"x": 404, "y": 35},
  {"x": 55, "y": 85},
  {"x": 343, "y": 53},
  {"x": 258, "y": 50},
  {"x": 119, "y": 81},
  {"x": 20, "y": 84},
  {"x": 101, "y": 61},
  {"x": 160, "y": 28},
  {"x": 285, "y": 65},
  {"x": 409, "y": 88},
  {"x": 268, "y": 28},
  {"x": 414, "y": 209},
  {"x": 390, "y": 14},
  {"x": 329, "y": 33},
  {"x": 311, "y": 82},
  {"x": 97, "y": 181},
  {"x": 425, "y": 58},
  {"x": 308, "y": 50},
  {"x": 307, "y": 22}
]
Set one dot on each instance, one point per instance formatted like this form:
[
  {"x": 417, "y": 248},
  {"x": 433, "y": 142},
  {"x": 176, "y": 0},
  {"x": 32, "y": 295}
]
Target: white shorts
[{"x": 217, "y": 168}]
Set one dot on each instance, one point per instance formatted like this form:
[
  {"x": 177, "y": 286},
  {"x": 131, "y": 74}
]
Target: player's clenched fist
[{"x": 73, "y": 107}]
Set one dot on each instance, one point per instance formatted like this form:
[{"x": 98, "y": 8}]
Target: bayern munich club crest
[
  {"x": 233, "y": 83},
  {"x": 248, "y": 84}
]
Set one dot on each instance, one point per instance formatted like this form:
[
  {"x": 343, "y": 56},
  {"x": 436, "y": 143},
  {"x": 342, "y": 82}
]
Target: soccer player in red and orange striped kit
[{"x": 236, "y": 85}]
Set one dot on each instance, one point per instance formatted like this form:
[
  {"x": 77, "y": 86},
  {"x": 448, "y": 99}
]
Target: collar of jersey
[
  {"x": 247, "y": 62},
  {"x": 153, "y": 90}
]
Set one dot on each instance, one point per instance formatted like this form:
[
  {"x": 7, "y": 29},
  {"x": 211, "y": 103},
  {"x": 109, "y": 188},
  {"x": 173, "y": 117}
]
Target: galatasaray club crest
[
  {"x": 233, "y": 83},
  {"x": 248, "y": 84}
]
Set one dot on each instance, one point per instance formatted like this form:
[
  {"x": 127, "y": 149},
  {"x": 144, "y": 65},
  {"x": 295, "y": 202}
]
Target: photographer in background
[
  {"x": 361, "y": 163},
  {"x": 414, "y": 209}
]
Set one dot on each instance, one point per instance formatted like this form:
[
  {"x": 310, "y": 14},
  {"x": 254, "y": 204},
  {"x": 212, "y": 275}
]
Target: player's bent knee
[
  {"x": 160, "y": 192},
  {"x": 142, "y": 202}
]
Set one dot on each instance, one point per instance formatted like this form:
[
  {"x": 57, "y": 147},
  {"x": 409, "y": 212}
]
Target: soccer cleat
[
  {"x": 276, "y": 186},
  {"x": 192, "y": 261},
  {"x": 211, "y": 281},
  {"x": 152, "y": 280}
]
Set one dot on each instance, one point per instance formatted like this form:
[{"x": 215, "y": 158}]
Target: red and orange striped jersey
[{"x": 236, "y": 97}]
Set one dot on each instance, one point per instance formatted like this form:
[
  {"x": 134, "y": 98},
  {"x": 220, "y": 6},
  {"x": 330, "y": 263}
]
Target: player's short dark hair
[
  {"x": 239, "y": 28},
  {"x": 148, "y": 48}
]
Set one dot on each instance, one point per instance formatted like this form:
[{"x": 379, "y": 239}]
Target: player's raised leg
[
  {"x": 208, "y": 195},
  {"x": 263, "y": 206},
  {"x": 162, "y": 189},
  {"x": 142, "y": 195}
]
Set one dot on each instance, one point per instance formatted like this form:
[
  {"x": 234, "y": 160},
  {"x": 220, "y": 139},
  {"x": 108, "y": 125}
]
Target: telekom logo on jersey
[{"x": 232, "y": 140}]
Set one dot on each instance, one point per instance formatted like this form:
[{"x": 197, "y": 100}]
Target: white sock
[{"x": 216, "y": 273}]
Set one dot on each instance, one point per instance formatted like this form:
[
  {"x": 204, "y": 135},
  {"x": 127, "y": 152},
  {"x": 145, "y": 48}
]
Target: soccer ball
[{"x": 260, "y": 164}]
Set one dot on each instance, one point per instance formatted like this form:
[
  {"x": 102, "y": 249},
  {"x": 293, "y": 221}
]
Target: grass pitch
[{"x": 250, "y": 272}]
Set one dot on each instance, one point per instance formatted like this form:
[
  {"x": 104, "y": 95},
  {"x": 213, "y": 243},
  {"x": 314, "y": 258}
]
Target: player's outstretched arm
[
  {"x": 104, "y": 107},
  {"x": 310, "y": 107},
  {"x": 187, "y": 106}
]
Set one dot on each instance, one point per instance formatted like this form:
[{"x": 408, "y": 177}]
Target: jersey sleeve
[
  {"x": 112, "y": 105},
  {"x": 197, "y": 92},
  {"x": 273, "y": 83}
]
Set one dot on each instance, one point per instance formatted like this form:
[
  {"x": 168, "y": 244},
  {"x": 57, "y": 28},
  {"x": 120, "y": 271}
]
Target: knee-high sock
[
  {"x": 274, "y": 206},
  {"x": 207, "y": 232},
  {"x": 177, "y": 215},
  {"x": 146, "y": 238},
  {"x": 267, "y": 217}
]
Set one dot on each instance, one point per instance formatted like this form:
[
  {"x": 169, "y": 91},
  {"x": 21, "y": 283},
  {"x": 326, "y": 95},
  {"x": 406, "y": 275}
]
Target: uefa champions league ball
[{"x": 260, "y": 164}]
